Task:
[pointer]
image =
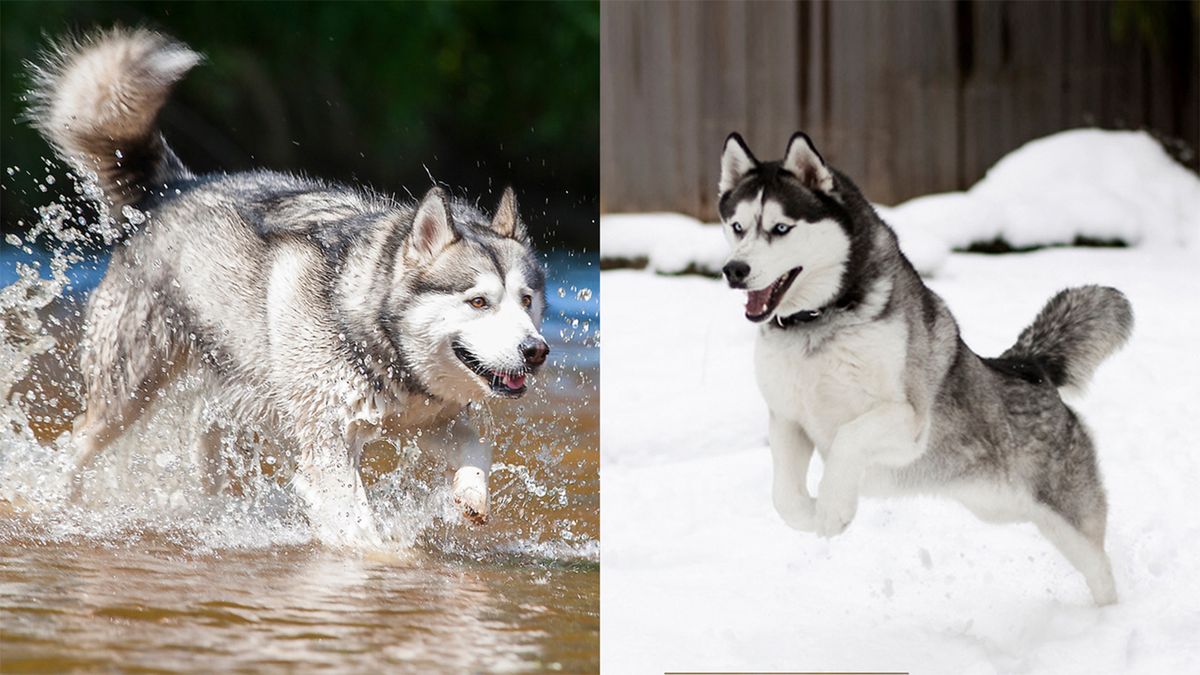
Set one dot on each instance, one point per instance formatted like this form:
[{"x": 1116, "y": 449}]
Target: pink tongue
[
  {"x": 514, "y": 381},
  {"x": 756, "y": 301}
]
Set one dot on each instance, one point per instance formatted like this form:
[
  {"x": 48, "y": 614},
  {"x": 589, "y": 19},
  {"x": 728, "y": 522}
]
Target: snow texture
[
  {"x": 670, "y": 243},
  {"x": 699, "y": 573},
  {"x": 1084, "y": 183}
]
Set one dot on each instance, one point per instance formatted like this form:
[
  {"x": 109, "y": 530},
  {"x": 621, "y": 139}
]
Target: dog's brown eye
[
  {"x": 478, "y": 302},
  {"x": 526, "y": 301}
]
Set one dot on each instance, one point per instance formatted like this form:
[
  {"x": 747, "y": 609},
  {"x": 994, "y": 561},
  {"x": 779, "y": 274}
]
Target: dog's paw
[
  {"x": 796, "y": 509},
  {"x": 471, "y": 494},
  {"x": 834, "y": 514}
]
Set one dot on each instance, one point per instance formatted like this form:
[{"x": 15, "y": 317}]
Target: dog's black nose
[
  {"x": 534, "y": 350},
  {"x": 736, "y": 272}
]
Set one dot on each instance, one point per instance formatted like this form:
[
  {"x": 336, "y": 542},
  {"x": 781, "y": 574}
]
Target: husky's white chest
[{"x": 822, "y": 389}]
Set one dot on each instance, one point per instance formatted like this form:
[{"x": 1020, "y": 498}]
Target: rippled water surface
[
  {"x": 149, "y": 605},
  {"x": 149, "y": 573}
]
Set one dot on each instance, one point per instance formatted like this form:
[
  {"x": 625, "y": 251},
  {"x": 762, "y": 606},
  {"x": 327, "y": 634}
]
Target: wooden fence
[{"x": 908, "y": 98}]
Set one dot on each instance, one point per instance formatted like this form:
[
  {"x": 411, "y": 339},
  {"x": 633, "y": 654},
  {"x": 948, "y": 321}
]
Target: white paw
[
  {"x": 471, "y": 494},
  {"x": 834, "y": 513},
  {"x": 795, "y": 508}
]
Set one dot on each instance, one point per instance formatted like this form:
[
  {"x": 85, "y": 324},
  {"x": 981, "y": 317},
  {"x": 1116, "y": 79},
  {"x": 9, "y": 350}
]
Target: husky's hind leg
[
  {"x": 128, "y": 355},
  {"x": 1072, "y": 511},
  {"x": 1084, "y": 552}
]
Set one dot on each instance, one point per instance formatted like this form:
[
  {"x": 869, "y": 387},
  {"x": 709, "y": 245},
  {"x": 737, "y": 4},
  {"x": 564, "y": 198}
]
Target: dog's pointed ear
[
  {"x": 736, "y": 162},
  {"x": 803, "y": 160},
  {"x": 507, "y": 220},
  {"x": 433, "y": 228}
]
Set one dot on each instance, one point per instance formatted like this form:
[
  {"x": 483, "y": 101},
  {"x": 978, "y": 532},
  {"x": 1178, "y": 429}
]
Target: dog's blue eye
[
  {"x": 782, "y": 228},
  {"x": 736, "y": 227}
]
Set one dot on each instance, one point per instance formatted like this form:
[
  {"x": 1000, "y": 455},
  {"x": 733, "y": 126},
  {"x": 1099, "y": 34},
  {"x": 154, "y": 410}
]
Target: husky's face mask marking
[
  {"x": 789, "y": 248},
  {"x": 475, "y": 301}
]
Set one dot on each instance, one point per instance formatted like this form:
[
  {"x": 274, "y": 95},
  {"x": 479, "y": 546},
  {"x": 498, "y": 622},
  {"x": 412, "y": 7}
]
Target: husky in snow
[
  {"x": 859, "y": 359},
  {"x": 328, "y": 315}
]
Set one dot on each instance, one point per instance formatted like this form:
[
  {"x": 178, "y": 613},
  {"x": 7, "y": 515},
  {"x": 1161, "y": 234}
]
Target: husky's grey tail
[
  {"x": 1074, "y": 333},
  {"x": 96, "y": 100}
]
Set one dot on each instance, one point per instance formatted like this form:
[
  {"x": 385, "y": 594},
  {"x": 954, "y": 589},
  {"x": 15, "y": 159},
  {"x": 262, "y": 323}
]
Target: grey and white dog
[
  {"x": 859, "y": 359},
  {"x": 328, "y": 315}
]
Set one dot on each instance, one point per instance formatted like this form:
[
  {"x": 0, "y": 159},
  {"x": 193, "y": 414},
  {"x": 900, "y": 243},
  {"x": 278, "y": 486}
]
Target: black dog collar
[{"x": 810, "y": 315}]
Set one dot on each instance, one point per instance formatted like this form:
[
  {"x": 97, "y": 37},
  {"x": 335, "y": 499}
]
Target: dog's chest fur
[{"x": 822, "y": 386}]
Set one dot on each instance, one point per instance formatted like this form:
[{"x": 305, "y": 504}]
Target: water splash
[{"x": 150, "y": 485}]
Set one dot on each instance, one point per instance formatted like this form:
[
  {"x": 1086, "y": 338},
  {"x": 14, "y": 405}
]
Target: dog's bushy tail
[
  {"x": 1074, "y": 333},
  {"x": 96, "y": 100}
]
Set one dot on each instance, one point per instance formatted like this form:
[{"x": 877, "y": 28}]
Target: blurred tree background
[{"x": 477, "y": 95}]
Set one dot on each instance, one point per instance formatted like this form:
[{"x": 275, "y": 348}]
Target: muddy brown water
[{"x": 131, "y": 594}]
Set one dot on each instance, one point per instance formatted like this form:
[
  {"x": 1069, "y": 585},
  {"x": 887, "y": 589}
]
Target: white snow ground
[{"x": 699, "y": 572}]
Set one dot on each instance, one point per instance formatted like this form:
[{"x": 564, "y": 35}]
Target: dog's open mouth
[
  {"x": 760, "y": 303},
  {"x": 505, "y": 383}
]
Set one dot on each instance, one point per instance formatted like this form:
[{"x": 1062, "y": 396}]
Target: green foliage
[{"x": 480, "y": 94}]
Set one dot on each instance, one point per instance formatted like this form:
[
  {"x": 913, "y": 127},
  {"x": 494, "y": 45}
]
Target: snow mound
[
  {"x": 1084, "y": 183},
  {"x": 669, "y": 243},
  {"x": 924, "y": 249}
]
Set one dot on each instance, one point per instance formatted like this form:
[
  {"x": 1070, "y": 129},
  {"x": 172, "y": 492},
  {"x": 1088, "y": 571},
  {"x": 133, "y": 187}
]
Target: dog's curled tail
[
  {"x": 97, "y": 99},
  {"x": 1076, "y": 330}
]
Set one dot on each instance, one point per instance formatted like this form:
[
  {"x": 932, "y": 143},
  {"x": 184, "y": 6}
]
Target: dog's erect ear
[
  {"x": 803, "y": 160},
  {"x": 433, "y": 229},
  {"x": 507, "y": 221},
  {"x": 736, "y": 162}
]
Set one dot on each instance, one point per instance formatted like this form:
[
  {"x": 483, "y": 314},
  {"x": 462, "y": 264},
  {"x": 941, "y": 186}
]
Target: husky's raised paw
[
  {"x": 471, "y": 494},
  {"x": 833, "y": 514}
]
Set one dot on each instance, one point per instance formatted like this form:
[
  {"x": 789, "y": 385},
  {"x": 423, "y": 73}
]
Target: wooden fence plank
[{"x": 907, "y": 97}]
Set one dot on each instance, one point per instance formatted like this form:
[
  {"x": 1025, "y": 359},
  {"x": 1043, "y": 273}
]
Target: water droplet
[
  {"x": 584, "y": 294},
  {"x": 134, "y": 216}
]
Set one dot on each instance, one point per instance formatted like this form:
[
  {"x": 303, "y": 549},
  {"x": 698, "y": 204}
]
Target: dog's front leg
[
  {"x": 328, "y": 482},
  {"x": 885, "y": 434},
  {"x": 791, "y": 452},
  {"x": 471, "y": 459}
]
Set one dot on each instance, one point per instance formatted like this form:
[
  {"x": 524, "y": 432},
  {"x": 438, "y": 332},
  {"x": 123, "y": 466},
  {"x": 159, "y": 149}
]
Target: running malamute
[
  {"x": 329, "y": 315},
  {"x": 859, "y": 359}
]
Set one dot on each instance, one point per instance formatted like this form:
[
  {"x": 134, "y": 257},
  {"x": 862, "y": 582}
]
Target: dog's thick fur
[
  {"x": 859, "y": 359},
  {"x": 325, "y": 314}
]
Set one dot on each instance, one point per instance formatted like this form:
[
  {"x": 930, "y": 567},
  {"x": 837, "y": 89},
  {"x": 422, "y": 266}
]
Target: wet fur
[
  {"x": 881, "y": 383},
  {"x": 311, "y": 309}
]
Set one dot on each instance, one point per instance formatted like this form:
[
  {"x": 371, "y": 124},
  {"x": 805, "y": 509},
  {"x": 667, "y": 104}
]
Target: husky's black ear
[
  {"x": 803, "y": 160},
  {"x": 507, "y": 220},
  {"x": 736, "y": 162},
  {"x": 433, "y": 228}
]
